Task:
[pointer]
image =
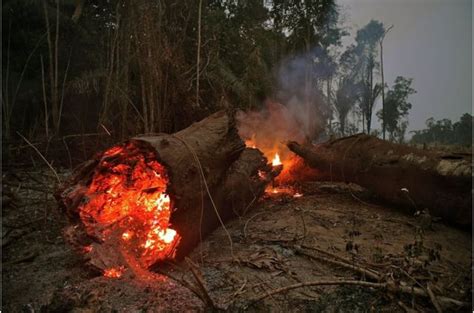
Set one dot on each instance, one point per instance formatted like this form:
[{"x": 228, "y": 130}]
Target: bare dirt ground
[{"x": 283, "y": 241}]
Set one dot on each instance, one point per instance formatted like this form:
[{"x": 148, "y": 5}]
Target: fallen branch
[
  {"x": 332, "y": 255},
  {"x": 369, "y": 273},
  {"x": 392, "y": 286},
  {"x": 318, "y": 283},
  {"x": 207, "y": 298},
  {"x": 434, "y": 300}
]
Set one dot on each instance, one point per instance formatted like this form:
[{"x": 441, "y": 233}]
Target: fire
[
  {"x": 283, "y": 190},
  {"x": 281, "y": 157},
  {"x": 128, "y": 208},
  {"x": 127, "y": 235},
  {"x": 276, "y": 160},
  {"x": 250, "y": 144},
  {"x": 115, "y": 272}
]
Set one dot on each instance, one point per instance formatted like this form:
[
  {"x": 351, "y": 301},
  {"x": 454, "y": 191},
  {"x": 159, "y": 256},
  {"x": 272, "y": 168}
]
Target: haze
[{"x": 430, "y": 42}]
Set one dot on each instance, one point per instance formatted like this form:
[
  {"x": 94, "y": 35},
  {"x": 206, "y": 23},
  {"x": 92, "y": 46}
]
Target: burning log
[
  {"x": 403, "y": 175},
  {"x": 145, "y": 200}
]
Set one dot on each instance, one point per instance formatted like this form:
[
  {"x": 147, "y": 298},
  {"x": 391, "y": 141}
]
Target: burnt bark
[
  {"x": 437, "y": 182},
  {"x": 235, "y": 176}
]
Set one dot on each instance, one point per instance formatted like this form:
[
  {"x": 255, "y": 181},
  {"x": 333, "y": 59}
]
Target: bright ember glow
[
  {"x": 283, "y": 190},
  {"x": 276, "y": 160},
  {"x": 280, "y": 184},
  {"x": 114, "y": 272},
  {"x": 279, "y": 155},
  {"x": 127, "y": 235},
  {"x": 128, "y": 208}
]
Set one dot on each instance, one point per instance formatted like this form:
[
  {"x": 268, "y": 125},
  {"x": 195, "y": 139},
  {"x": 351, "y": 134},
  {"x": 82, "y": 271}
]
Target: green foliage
[
  {"x": 356, "y": 67},
  {"x": 367, "y": 40},
  {"x": 131, "y": 65},
  {"x": 309, "y": 23},
  {"x": 445, "y": 132},
  {"x": 397, "y": 108},
  {"x": 369, "y": 36},
  {"x": 347, "y": 95},
  {"x": 243, "y": 51}
]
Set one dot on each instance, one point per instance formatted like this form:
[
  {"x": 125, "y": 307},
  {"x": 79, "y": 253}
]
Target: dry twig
[
  {"x": 391, "y": 286},
  {"x": 434, "y": 300},
  {"x": 318, "y": 283},
  {"x": 42, "y": 157},
  {"x": 201, "y": 284},
  {"x": 248, "y": 221},
  {"x": 369, "y": 273}
]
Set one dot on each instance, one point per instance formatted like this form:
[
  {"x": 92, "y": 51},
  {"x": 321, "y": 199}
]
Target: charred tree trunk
[
  {"x": 438, "y": 182},
  {"x": 235, "y": 177}
]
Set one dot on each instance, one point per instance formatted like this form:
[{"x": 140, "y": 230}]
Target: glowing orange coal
[
  {"x": 114, "y": 272},
  {"x": 128, "y": 208}
]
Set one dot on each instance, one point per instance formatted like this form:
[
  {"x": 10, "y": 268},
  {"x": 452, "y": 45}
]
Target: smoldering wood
[
  {"x": 235, "y": 175},
  {"x": 408, "y": 177}
]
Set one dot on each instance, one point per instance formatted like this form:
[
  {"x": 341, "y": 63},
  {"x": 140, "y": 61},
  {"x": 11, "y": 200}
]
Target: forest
[{"x": 223, "y": 155}]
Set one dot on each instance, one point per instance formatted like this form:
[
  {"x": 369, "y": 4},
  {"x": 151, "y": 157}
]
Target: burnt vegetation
[{"x": 222, "y": 155}]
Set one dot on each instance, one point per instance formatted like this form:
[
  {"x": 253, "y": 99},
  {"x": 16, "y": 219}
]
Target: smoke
[
  {"x": 270, "y": 128},
  {"x": 296, "y": 111}
]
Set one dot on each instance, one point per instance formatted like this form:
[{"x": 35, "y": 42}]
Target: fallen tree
[
  {"x": 409, "y": 177},
  {"x": 194, "y": 179}
]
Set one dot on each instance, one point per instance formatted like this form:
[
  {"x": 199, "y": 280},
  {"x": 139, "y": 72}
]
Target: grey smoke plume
[{"x": 296, "y": 111}]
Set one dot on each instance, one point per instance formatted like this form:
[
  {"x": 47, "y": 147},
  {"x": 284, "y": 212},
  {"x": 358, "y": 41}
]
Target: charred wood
[{"x": 434, "y": 183}]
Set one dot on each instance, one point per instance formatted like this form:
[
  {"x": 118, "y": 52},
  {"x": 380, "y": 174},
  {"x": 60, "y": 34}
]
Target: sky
[{"x": 431, "y": 42}]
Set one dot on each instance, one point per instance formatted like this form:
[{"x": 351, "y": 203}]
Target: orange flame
[
  {"x": 276, "y": 160},
  {"x": 281, "y": 157},
  {"x": 127, "y": 206}
]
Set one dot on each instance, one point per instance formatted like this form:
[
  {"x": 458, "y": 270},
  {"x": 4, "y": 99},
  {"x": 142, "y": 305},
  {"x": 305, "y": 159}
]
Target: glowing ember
[
  {"x": 127, "y": 206},
  {"x": 250, "y": 144},
  {"x": 276, "y": 160},
  {"x": 114, "y": 272},
  {"x": 127, "y": 235},
  {"x": 282, "y": 190}
]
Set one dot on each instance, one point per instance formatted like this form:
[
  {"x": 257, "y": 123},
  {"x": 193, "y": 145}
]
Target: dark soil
[{"x": 42, "y": 274}]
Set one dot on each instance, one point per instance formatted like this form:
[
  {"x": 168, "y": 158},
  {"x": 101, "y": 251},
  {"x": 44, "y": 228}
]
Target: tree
[
  {"x": 369, "y": 96},
  {"x": 445, "y": 132},
  {"x": 311, "y": 29},
  {"x": 383, "y": 78},
  {"x": 463, "y": 130},
  {"x": 397, "y": 108},
  {"x": 347, "y": 95},
  {"x": 367, "y": 39}
]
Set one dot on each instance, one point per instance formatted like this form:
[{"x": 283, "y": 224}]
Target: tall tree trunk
[
  {"x": 384, "y": 127},
  {"x": 52, "y": 61},
  {"x": 56, "y": 109},
  {"x": 370, "y": 100},
  {"x": 328, "y": 91},
  {"x": 198, "y": 53}
]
